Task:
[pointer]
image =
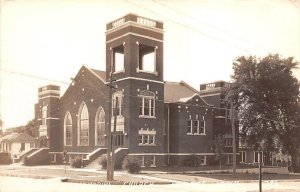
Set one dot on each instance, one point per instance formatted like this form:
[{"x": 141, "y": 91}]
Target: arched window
[
  {"x": 83, "y": 125},
  {"x": 68, "y": 129},
  {"x": 100, "y": 127},
  {"x": 147, "y": 104}
]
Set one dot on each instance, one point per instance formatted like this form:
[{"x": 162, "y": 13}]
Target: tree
[
  {"x": 1, "y": 126},
  {"x": 219, "y": 149},
  {"x": 32, "y": 128},
  {"x": 265, "y": 94}
]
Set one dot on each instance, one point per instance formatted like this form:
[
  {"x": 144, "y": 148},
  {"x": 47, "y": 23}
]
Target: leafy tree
[
  {"x": 31, "y": 128},
  {"x": 1, "y": 126},
  {"x": 219, "y": 149},
  {"x": 265, "y": 94}
]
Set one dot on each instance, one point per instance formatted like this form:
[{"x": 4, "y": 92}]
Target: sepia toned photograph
[{"x": 150, "y": 95}]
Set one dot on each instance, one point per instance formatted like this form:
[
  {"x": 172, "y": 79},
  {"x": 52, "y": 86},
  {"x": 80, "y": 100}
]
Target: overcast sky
[{"x": 46, "y": 42}]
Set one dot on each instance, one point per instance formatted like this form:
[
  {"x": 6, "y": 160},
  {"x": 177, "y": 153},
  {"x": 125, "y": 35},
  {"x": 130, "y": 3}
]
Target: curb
[
  {"x": 115, "y": 182},
  {"x": 132, "y": 183}
]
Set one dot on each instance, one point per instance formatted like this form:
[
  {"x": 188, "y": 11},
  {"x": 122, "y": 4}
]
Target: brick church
[{"x": 157, "y": 121}]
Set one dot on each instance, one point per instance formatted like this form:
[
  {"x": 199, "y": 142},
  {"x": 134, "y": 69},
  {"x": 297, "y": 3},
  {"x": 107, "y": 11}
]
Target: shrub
[
  {"x": 26, "y": 161},
  {"x": 131, "y": 164},
  {"x": 191, "y": 161},
  {"x": 103, "y": 161},
  {"x": 5, "y": 158},
  {"x": 77, "y": 162},
  {"x": 212, "y": 161}
]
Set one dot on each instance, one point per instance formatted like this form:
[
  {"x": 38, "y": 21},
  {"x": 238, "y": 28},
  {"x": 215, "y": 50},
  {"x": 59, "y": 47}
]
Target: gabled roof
[
  {"x": 174, "y": 91},
  {"x": 17, "y": 138},
  {"x": 100, "y": 74}
]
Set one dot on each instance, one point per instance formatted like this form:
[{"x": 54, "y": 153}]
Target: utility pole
[
  {"x": 233, "y": 139},
  {"x": 114, "y": 140},
  {"x": 109, "y": 176},
  {"x": 260, "y": 175}
]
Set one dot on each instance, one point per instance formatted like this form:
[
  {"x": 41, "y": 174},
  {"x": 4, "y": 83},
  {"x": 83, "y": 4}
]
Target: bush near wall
[
  {"x": 191, "y": 161},
  {"x": 131, "y": 164},
  {"x": 103, "y": 162},
  {"x": 211, "y": 160},
  {"x": 26, "y": 161},
  {"x": 77, "y": 162},
  {"x": 5, "y": 158}
]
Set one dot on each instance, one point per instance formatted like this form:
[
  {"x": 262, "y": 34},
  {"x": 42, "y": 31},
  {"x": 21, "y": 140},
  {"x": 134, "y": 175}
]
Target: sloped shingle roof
[
  {"x": 100, "y": 74},
  {"x": 175, "y": 91},
  {"x": 17, "y": 138}
]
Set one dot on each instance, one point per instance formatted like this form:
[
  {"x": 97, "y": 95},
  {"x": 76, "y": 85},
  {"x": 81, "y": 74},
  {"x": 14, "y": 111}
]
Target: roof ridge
[
  {"x": 189, "y": 86},
  {"x": 93, "y": 72}
]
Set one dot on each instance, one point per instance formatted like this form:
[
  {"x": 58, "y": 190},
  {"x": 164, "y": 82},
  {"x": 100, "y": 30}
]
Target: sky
[{"x": 46, "y": 42}]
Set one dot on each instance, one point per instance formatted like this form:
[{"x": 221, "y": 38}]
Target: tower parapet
[{"x": 47, "y": 113}]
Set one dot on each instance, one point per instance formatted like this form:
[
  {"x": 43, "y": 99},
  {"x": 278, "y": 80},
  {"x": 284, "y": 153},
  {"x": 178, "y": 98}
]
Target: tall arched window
[
  {"x": 68, "y": 129},
  {"x": 83, "y": 125},
  {"x": 100, "y": 127}
]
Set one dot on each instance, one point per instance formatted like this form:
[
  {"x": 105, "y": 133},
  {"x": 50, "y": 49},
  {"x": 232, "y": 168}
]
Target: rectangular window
[
  {"x": 44, "y": 115},
  {"x": 196, "y": 127},
  {"x": 118, "y": 58},
  {"x": 203, "y": 160},
  {"x": 147, "y": 57},
  {"x": 242, "y": 156},
  {"x": 119, "y": 140},
  {"x": 189, "y": 126},
  {"x": 151, "y": 139},
  {"x": 152, "y": 108},
  {"x": 202, "y": 127},
  {"x": 146, "y": 107},
  {"x": 68, "y": 134},
  {"x": 141, "y": 139},
  {"x": 229, "y": 159},
  {"x": 228, "y": 142},
  {"x": 147, "y": 104},
  {"x": 117, "y": 111},
  {"x": 152, "y": 161},
  {"x": 256, "y": 156},
  {"x": 147, "y": 139},
  {"x": 142, "y": 161},
  {"x": 53, "y": 158}
]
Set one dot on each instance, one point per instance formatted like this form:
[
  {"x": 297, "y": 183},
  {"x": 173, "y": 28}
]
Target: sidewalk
[{"x": 146, "y": 177}]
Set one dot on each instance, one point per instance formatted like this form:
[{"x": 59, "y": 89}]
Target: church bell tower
[{"x": 134, "y": 59}]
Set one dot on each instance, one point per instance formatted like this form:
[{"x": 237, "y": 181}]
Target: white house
[{"x": 16, "y": 143}]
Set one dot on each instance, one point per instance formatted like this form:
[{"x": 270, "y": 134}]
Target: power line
[
  {"x": 294, "y": 3},
  {"x": 156, "y": 100},
  {"x": 193, "y": 29},
  {"x": 196, "y": 19},
  {"x": 34, "y": 76}
]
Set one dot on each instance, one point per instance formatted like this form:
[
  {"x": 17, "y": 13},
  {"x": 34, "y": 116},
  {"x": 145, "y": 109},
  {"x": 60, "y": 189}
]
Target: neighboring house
[
  {"x": 16, "y": 143},
  {"x": 159, "y": 122}
]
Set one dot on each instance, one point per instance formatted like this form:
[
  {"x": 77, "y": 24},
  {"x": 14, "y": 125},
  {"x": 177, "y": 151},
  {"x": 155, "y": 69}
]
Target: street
[{"x": 18, "y": 184}]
